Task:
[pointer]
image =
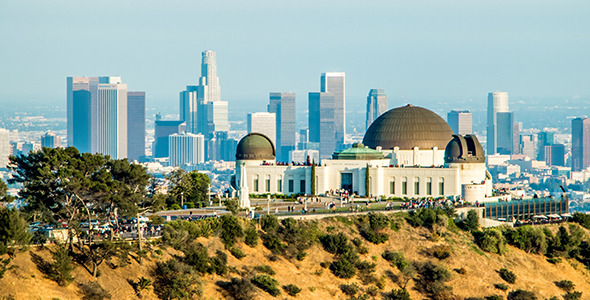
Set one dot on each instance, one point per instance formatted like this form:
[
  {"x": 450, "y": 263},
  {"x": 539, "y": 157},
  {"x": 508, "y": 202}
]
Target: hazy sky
[{"x": 418, "y": 51}]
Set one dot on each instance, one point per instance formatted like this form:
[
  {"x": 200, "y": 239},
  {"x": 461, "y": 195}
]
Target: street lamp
[
  {"x": 268, "y": 205},
  {"x": 181, "y": 200}
]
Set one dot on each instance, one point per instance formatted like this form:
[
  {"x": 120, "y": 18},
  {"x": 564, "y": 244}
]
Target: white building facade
[{"x": 186, "y": 149}]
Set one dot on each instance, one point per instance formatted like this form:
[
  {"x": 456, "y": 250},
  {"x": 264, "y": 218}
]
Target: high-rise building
[
  {"x": 283, "y": 105},
  {"x": 217, "y": 116},
  {"x": 97, "y": 115},
  {"x": 189, "y": 108},
  {"x": 377, "y": 104},
  {"x": 111, "y": 127},
  {"x": 334, "y": 83},
  {"x": 505, "y": 133},
  {"x": 135, "y": 125},
  {"x": 580, "y": 143},
  {"x": 4, "y": 147},
  {"x": 163, "y": 130},
  {"x": 186, "y": 148},
  {"x": 263, "y": 122},
  {"x": 555, "y": 155},
  {"x": 208, "y": 89},
  {"x": 543, "y": 139},
  {"x": 497, "y": 103},
  {"x": 461, "y": 121},
  {"x": 321, "y": 122},
  {"x": 50, "y": 140},
  {"x": 527, "y": 145}
]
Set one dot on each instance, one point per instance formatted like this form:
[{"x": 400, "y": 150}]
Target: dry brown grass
[{"x": 533, "y": 271}]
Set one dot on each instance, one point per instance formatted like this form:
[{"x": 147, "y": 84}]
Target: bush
[
  {"x": 461, "y": 271},
  {"x": 175, "y": 280},
  {"x": 471, "y": 223},
  {"x": 572, "y": 296},
  {"x": 501, "y": 286},
  {"x": 507, "y": 275},
  {"x": 218, "y": 263},
  {"x": 350, "y": 289},
  {"x": 528, "y": 238},
  {"x": 301, "y": 255},
  {"x": 336, "y": 243},
  {"x": 93, "y": 291},
  {"x": 267, "y": 284},
  {"x": 491, "y": 240},
  {"x": 292, "y": 289},
  {"x": 273, "y": 243},
  {"x": 251, "y": 237},
  {"x": 521, "y": 295},
  {"x": 582, "y": 219},
  {"x": 159, "y": 251},
  {"x": 231, "y": 230},
  {"x": 441, "y": 251},
  {"x": 395, "y": 258},
  {"x": 4, "y": 266},
  {"x": 196, "y": 255},
  {"x": 432, "y": 280},
  {"x": 237, "y": 252},
  {"x": 565, "y": 285},
  {"x": 399, "y": 294},
  {"x": 494, "y": 297},
  {"x": 343, "y": 268},
  {"x": 265, "y": 269},
  {"x": 62, "y": 266},
  {"x": 240, "y": 289},
  {"x": 269, "y": 223}
]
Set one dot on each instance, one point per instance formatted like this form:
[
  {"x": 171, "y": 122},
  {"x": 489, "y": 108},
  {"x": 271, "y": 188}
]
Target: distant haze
[{"x": 420, "y": 52}]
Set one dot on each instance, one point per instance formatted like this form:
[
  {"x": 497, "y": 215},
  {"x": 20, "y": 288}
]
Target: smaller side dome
[
  {"x": 464, "y": 149},
  {"x": 255, "y": 146}
]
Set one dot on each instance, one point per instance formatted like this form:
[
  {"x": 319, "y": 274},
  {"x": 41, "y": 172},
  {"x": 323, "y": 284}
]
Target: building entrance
[{"x": 346, "y": 182}]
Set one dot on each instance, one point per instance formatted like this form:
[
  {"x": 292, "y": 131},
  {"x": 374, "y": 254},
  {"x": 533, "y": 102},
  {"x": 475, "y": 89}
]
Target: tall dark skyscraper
[
  {"x": 505, "y": 133},
  {"x": 283, "y": 105},
  {"x": 50, "y": 140},
  {"x": 334, "y": 83},
  {"x": 554, "y": 155},
  {"x": 461, "y": 121},
  {"x": 580, "y": 143},
  {"x": 377, "y": 104},
  {"x": 321, "y": 122},
  {"x": 543, "y": 139},
  {"x": 135, "y": 125},
  {"x": 163, "y": 130}
]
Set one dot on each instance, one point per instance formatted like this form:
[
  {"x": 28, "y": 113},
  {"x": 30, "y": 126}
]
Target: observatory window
[
  {"x": 429, "y": 186},
  {"x": 441, "y": 186},
  {"x": 392, "y": 186},
  {"x": 405, "y": 185},
  {"x": 417, "y": 186}
]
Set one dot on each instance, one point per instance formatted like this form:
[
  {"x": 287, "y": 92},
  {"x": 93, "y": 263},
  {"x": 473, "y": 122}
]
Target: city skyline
[{"x": 554, "y": 32}]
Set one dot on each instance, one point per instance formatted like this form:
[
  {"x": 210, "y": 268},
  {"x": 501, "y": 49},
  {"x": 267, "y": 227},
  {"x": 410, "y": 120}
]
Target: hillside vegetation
[{"x": 420, "y": 255}]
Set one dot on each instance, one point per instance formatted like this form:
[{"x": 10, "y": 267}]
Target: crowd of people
[{"x": 432, "y": 203}]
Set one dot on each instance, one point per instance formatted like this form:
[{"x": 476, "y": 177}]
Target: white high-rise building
[
  {"x": 263, "y": 122},
  {"x": 208, "y": 89},
  {"x": 497, "y": 103},
  {"x": 4, "y": 147},
  {"x": 334, "y": 83},
  {"x": 217, "y": 116},
  {"x": 111, "y": 128},
  {"x": 186, "y": 149}
]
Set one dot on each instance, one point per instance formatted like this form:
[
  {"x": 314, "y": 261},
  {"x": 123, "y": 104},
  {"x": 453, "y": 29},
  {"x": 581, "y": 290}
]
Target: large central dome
[{"x": 407, "y": 127}]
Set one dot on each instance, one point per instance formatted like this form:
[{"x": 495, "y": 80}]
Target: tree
[
  {"x": 192, "y": 186},
  {"x": 13, "y": 229},
  {"x": 175, "y": 280},
  {"x": 3, "y": 188},
  {"x": 472, "y": 220},
  {"x": 62, "y": 266}
]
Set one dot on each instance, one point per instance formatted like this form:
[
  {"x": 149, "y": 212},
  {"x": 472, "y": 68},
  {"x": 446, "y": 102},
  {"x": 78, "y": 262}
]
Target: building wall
[
  {"x": 135, "y": 125},
  {"x": 283, "y": 105},
  {"x": 322, "y": 123},
  {"x": 334, "y": 83}
]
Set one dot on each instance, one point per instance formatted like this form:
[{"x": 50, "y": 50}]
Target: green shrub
[
  {"x": 343, "y": 268},
  {"x": 251, "y": 237},
  {"x": 490, "y": 240},
  {"x": 231, "y": 230},
  {"x": 521, "y": 295},
  {"x": 62, "y": 266},
  {"x": 240, "y": 289},
  {"x": 218, "y": 263},
  {"x": 93, "y": 291},
  {"x": 267, "y": 284},
  {"x": 301, "y": 255},
  {"x": 501, "y": 286},
  {"x": 196, "y": 255},
  {"x": 273, "y": 243},
  {"x": 292, "y": 289},
  {"x": 461, "y": 271},
  {"x": 565, "y": 285},
  {"x": 237, "y": 252},
  {"x": 269, "y": 223},
  {"x": 507, "y": 275},
  {"x": 431, "y": 281},
  {"x": 471, "y": 223},
  {"x": 159, "y": 251},
  {"x": 175, "y": 280},
  {"x": 265, "y": 269},
  {"x": 441, "y": 251},
  {"x": 582, "y": 219},
  {"x": 335, "y": 243},
  {"x": 399, "y": 294},
  {"x": 395, "y": 258},
  {"x": 573, "y": 296},
  {"x": 350, "y": 289},
  {"x": 494, "y": 297},
  {"x": 4, "y": 266}
]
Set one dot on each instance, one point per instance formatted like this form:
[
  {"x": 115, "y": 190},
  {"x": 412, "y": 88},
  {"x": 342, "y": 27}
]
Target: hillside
[{"x": 24, "y": 280}]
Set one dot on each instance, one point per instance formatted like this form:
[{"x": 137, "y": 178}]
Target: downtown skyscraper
[
  {"x": 265, "y": 123},
  {"x": 498, "y": 103},
  {"x": 135, "y": 125},
  {"x": 321, "y": 122},
  {"x": 283, "y": 105},
  {"x": 334, "y": 83},
  {"x": 461, "y": 121},
  {"x": 97, "y": 115},
  {"x": 377, "y": 104},
  {"x": 580, "y": 144}
]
